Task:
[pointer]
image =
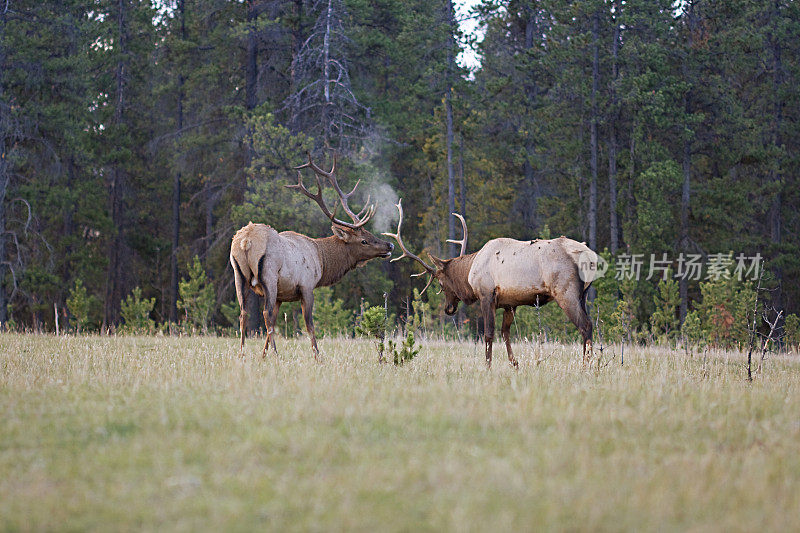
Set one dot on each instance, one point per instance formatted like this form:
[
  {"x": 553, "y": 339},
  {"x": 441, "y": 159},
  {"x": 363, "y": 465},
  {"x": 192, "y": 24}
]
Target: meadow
[{"x": 159, "y": 433}]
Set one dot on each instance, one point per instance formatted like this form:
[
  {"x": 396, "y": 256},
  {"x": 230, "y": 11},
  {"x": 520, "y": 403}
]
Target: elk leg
[
  {"x": 270, "y": 286},
  {"x": 572, "y": 304},
  {"x": 587, "y": 358},
  {"x": 241, "y": 296},
  {"x": 307, "y": 304},
  {"x": 273, "y": 319},
  {"x": 508, "y": 319},
  {"x": 487, "y": 309}
]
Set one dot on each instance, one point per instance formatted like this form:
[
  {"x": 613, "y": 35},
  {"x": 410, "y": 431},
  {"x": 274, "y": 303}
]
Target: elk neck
[
  {"x": 337, "y": 259},
  {"x": 458, "y": 272}
]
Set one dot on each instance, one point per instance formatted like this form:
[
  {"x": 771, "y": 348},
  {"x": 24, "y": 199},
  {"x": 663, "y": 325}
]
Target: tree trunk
[
  {"x": 326, "y": 77},
  {"x": 251, "y": 69},
  {"x": 630, "y": 201},
  {"x": 251, "y": 101},
  {"x": 4, "y": 180},
  {"x": 530, "y": 189},
  {"x": 451, "y": 181},
  {"x": 593, "y": 163},
  {"x": 448, "y": 104},
  {"x": 5, "y": 171},
  {"x": 114, "y": 279},
  {"x": 463, "y": 201},
  {"x": 113, "y": 293},
  {"x": 462, "y": 182},
  {"x": 612, "y": 137},
  {"x": 683, "y": 283},
  {"x": 777, "y": 142},
  {"x": 297, "y": 43},
  {"x": 211, "y": 202},
  {"x": 176, "y": 191}
]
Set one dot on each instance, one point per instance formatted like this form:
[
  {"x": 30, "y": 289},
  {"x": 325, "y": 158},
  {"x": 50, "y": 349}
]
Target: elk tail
[
  {"x": 237, "y": 267},
  {"x": 244, "y": 245},
  {"x": 585, "y": 295}
]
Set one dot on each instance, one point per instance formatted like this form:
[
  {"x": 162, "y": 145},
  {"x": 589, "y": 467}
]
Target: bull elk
[
  {"x": 287, "y": 266},
  {"x": 507, "y": 273}
]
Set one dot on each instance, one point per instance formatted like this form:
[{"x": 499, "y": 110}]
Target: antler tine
[
  {"x": 299, "y": 186},
  {"x": 463, "y": 241},
  {"x": 310, "y": 164},
  {"x": 302, "y": 188},
  {"x": 343, "y": 197},
  {"x": 430, "y": 280},
  {"x": 396, "y": 236},
  {"x": 358, "y": 221},
  {"x": 366, "y": 206}
]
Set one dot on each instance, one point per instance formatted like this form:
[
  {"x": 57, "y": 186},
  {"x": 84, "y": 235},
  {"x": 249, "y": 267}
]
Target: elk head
[
  {"x": 447, "y": 272},
  {"x": 362, "y": 244}
]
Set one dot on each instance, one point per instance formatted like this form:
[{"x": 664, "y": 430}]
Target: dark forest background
[{"x": 135, "y": 136}]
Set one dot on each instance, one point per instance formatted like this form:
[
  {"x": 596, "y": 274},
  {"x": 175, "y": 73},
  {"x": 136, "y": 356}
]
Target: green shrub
[
  {"x": 726, "y": 311},
  {"x": 692, "y": 329},
  {"x": 197, "y": 296},
  {"x": 136, "y": 311},
  {"x": 330, "y": 316},
  {"x": 664, "y": 321},
  {"x": 792, "y": 332},
  {"x": 624, "y": 325},
  {"x": 606, "y": 297},
  {"x": 406, "y": 352},
  {"x": 548, "y": 322},
  {"x": 424, "y": 313},
  {"x": 231, "y": 312},
  {"x": 81, "y": 305},
  {"x": 373, "y": 324}
]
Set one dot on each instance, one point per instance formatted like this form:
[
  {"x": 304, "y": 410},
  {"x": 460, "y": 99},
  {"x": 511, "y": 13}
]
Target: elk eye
[{"x": 364, "y": 242}]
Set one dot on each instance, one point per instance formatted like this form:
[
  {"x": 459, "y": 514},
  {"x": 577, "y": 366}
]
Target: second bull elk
[
  {"x": 507, "y": 273},
  {"x": 287, "y": 266}
]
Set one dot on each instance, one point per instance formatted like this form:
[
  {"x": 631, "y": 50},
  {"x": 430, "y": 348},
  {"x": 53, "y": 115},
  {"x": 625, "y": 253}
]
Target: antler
[
  {"x": 463, "y": 241},
  {"x": 316, "y": 197},
  {"x": 396, "y": 236},
  {"x": 359, "y": 219}
]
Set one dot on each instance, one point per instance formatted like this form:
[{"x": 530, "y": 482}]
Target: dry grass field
[{"x": 146, "y": 433}]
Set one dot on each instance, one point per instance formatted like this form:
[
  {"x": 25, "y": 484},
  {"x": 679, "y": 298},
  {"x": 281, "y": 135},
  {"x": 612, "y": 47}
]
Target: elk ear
[
  {"x": 341, "y": 233},
  {"x": 440, "y": 263}
]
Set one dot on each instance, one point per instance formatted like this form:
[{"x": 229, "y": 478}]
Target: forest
[{"x": 137, "y": 136}]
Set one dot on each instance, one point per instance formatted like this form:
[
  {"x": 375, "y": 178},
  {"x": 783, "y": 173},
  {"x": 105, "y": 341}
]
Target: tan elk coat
[
  {"x": 287, "y": 266},
  {"x": 506, "y": 273},
  {"x": 519, "y": 271}
]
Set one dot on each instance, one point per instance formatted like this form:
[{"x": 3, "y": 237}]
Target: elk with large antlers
[
  {"x": 287, "y": 266},
  {"x": 507, "y": 273}
]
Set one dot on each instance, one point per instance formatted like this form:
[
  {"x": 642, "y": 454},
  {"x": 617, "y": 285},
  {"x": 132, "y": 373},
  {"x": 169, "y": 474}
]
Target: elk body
[
  {"x": 287, "y": 266},
  {"x": 507, "y": 273}
]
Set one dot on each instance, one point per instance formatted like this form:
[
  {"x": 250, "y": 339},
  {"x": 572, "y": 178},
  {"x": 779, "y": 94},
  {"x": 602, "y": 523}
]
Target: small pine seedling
[
  {"x": 408, "y": 350},
  {"x": 373, "y": 324}
]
